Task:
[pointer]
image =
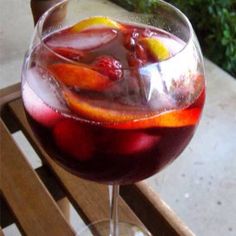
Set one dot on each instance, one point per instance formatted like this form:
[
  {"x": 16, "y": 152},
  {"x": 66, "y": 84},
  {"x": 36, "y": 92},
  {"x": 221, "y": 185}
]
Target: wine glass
[{"x": 113, "y": 98}]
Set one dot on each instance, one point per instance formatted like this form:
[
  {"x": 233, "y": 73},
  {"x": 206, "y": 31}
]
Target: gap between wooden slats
[
  {"x": 34, "y": 208},
  {"x": 6, "y": 216},
  {"x": 90, "y": 199}
]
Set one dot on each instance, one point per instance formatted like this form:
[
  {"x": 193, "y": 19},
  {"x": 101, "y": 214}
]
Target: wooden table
[{"x": 37, "y": 199}]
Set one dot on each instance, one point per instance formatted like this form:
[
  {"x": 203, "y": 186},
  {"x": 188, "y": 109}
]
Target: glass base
[{"x": 102, "y": 228}]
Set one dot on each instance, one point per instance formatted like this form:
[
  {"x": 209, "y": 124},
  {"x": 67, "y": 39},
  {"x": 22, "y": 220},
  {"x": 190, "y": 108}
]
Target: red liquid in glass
[{"x": 109, "y": 151}]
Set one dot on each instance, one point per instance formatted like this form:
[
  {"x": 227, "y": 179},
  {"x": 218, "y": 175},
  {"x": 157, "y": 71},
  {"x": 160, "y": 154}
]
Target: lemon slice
[
  {"x": 96, "y": 21},
  {"x": 156, "y": 48}
]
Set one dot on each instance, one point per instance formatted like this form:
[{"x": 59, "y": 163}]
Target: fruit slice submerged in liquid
[
  {"x": 85, "y": 40},
  {"x": 65, "y": 132},
  {"x": 71, "y": 53},
  {"x": 157, "y": 49},
  {"x": 85, "y": 108},
  {"x": 171, "y": 119},
  {"x": 126, "y": 119},
  {"x": 95, "y": 22},
  {"x": 129, "y": 143},
  {"x": 79, "y": 76}
]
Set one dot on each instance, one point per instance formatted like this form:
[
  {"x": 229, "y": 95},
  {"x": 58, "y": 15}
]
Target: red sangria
[
  {"x": 113, "y": 101},
  {"x": 100, "y": 112}
]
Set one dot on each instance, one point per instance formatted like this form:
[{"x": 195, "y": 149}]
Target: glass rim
[{"x": 42, "y": 19}]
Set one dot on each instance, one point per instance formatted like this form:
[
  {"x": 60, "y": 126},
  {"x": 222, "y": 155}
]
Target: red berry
[
  {"x": 130, "y": 38},
  {"x": 108, "y": 66},
  {"x": 134, "y": 61},
  {"x": 73, "y": 139},
  {"x": 141, "y": 53}
]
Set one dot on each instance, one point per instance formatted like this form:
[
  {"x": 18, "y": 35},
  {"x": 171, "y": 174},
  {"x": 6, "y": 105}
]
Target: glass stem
[{"x": 114, "y": 222}]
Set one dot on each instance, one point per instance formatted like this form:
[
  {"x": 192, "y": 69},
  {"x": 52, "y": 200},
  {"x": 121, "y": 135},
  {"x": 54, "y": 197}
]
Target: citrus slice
[
  {"x": 158, "y": 50},
  {"x": 171, "y": 119},
  {"x": 130, "y": 120},
  {"x": 95, "y": 21},
  {"x": 79, "y": 76},
  {"x": 84, "y": 108}
]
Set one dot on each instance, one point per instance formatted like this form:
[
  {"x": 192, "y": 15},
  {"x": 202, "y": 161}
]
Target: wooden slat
[
  {"x": 1, "y": 233},
  {"x": 90, "y": 199},
  {"x": 154, "y": 213},
  {"x": 29, "y": 200},
  {"x": 9, "y": 94},
  {"x": 52, "y": 185}
]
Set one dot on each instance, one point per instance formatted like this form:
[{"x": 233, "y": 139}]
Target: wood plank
[
  {"x": 29, "y": 200},
  {"x": 52, "y": 186},
  {"x": 90, "y": 199},
  {"x": 1, "y": 233},
  {"x": 9, "y": 94},
  {"x": 153, "y": 211}
]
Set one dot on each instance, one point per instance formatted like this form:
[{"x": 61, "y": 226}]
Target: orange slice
[
  {"x": 95, "y": 21},
  {"x": 171, "y": 119},
  {"x": 86, "y": 109},
  {"x": 79, "y": 76},
  {"x": 128, "y": 120},
  {"x": 158, "y": 50}
]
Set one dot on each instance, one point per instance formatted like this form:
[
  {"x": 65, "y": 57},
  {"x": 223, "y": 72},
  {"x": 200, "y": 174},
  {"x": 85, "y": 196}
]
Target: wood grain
[{"x": 29, "y": 200}]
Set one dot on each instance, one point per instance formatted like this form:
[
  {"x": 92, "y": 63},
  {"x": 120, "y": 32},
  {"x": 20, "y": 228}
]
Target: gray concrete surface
[{"x": 201, "y": 184}]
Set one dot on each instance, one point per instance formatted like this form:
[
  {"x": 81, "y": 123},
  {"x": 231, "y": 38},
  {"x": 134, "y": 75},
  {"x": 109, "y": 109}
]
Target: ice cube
[
  {"x": 89, "y": 39},
  {"x": 45, "y": 88}
]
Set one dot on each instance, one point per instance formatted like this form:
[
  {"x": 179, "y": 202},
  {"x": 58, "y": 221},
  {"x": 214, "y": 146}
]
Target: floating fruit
[
  {"x": 84, "y": 108},
  {"x": 126, "y": 119},
  {"x": 170, "y": 119},
  {"x": 95, "y": 21},
  {"x": 79, "y": 76},
  {"x": 108, "y": 66},
  {"x": 157, "y": 49}
]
